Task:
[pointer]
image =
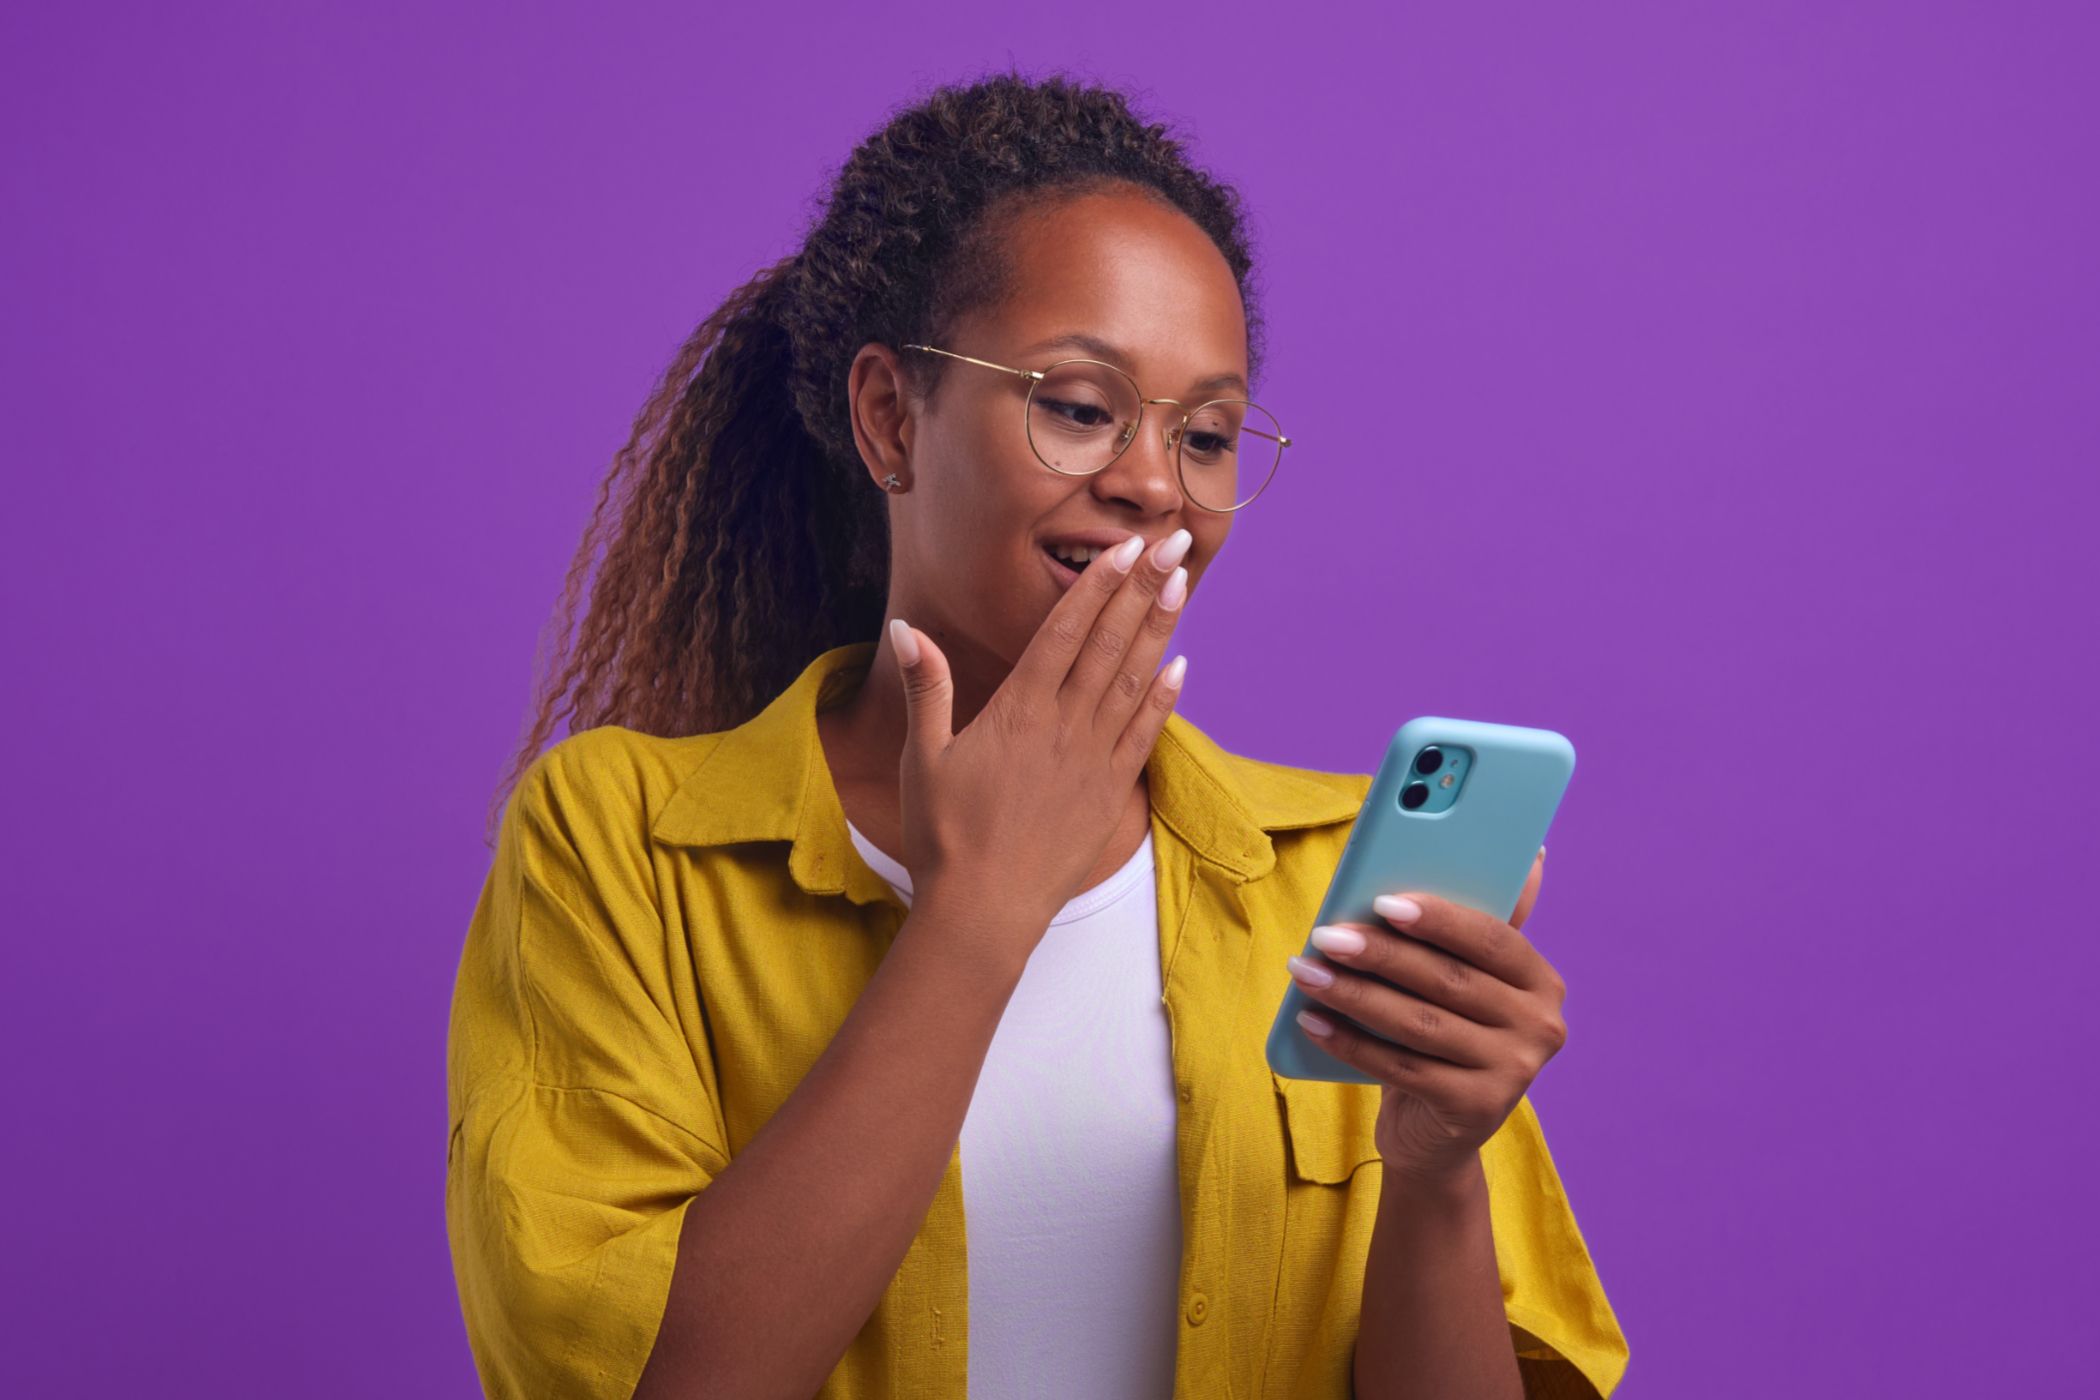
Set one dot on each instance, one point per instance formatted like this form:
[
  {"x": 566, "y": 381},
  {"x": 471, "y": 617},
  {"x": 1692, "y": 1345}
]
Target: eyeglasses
[{"x": 1080, "y": 415}]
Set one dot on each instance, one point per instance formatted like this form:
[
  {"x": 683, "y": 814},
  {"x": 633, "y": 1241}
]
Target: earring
[{"x": 890, "y": 483}]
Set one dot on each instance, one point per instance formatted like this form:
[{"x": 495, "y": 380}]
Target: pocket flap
[{"x": 1332, "y": 1127}]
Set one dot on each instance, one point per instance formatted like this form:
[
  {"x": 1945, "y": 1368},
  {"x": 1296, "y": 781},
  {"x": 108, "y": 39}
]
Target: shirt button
[
  {"x": 1199, "y": 1308},
  {"x": 1185, "y": 1094}
]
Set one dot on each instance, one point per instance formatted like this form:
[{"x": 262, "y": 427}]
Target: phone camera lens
[
  {"x": 1414, "y": 795},
  {"x": 1429, "y": 759}
]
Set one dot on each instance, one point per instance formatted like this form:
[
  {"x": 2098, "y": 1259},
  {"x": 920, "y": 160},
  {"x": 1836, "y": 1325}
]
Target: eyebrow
[{"x": 1101, "y": 350}]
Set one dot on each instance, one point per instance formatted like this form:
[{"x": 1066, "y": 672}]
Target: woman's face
[{"x": 969, "y": 557}]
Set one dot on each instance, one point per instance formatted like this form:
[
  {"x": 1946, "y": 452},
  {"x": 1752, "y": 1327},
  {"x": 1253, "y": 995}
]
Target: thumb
[
  {"x": 929, "y": 690},
  {"x": 1530, "y": 896}
]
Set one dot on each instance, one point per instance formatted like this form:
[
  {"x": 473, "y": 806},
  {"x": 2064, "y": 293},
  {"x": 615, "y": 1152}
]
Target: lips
[
  {"x": 1064, "y": 574},
  {"x": 1104, "y": 538}
]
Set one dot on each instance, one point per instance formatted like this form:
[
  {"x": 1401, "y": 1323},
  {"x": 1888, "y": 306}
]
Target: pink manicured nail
[
  {"x": 1170, "y": 549},
  {"x": 906, "y": 645},
  {"x": 1398, "y": 908},
  {"x": 1318, "y": 1025},
  {"x": 1174, "y": 591},
  {"x": 1332, "y": 938},
  {"x": 1126, "y": 553},
  {"x": 1309, "y": 972}
]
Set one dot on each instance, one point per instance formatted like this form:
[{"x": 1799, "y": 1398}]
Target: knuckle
[
  {"x": 1454, "y": 974},
  {"x": 1426, "y": 1019},
  {"x": 1406, "y": 1065},
  {"x": 1110, "y": 641},
  {"x": 1494, "y": 938},
  {"x": 1067, "y": 629},
  {"x": 1130, "y": 685}
]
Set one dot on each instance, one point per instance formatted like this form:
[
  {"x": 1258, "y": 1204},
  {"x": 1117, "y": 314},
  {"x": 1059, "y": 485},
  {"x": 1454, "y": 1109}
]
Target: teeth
[{"x": 1074, "y": 553}]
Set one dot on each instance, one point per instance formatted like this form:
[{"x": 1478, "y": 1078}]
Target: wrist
[
  {"x": 970, "y": 916},
  {"x": 1444, "y": 1188}
]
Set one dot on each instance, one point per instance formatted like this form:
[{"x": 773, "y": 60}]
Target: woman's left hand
[{"x": 1476, "y": 1012}]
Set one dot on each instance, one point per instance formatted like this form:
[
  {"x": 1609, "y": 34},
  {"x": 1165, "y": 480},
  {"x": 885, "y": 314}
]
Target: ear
[{"x": 882, "y": 412}]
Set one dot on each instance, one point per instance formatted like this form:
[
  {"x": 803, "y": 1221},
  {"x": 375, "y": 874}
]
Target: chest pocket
[{"x": 1332, "y": 1128}]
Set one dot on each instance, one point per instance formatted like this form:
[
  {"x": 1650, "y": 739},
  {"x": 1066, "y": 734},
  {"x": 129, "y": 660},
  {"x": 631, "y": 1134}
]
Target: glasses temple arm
[{"x": 1003, "y": 369}]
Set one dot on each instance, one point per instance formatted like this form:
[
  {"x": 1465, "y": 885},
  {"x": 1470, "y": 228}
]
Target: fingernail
[
  {"x": 1126, "y": 553},
  {"x": 1318, "y": 1025},
  {"x": 1307, "y": 971},
  {"x": 906, "y": 645},
  {"x": 1542, "y": 853},
  {"x": 1175, "y": 669},
  {"x": 1332, "y": 938},
  {"x": 1170, "y": 549},
  {"x": 1174, "y": 591},
  {"x": 1398, "y": 908}
]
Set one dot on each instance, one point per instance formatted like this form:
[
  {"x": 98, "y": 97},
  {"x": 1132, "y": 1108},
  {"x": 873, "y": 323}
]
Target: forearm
[
  {"x": 784, "y": 1256},
  {"x": 1432, "y": 1321}
]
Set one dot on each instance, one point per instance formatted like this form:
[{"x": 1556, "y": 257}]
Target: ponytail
[{"x": 735, "y": 548}]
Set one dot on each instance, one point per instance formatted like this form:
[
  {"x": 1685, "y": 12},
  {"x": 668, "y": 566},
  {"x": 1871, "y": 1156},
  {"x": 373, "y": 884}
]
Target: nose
[{"x": 1151, "y": 479}]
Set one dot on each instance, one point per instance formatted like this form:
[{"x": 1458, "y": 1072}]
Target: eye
[
  {"x": 1205, "y": 444},
  {"x": 1082, "y": 415}
]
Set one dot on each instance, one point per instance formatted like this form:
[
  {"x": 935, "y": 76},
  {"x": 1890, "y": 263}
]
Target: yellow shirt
[{"x": 641, "y": 988}]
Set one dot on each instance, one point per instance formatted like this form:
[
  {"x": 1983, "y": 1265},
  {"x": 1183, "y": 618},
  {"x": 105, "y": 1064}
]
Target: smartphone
[{"x": 1459, "y": 808}]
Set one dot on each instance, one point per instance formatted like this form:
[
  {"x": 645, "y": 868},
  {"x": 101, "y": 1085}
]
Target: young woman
[{"x": 877, "y": 846}]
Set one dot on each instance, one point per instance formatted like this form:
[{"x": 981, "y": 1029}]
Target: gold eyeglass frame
[{"x": 1174, "y": 435}]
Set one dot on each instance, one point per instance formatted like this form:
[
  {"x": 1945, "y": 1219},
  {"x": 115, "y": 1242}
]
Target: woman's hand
[
  {"x": 1477, "y": 1017},
  {"x": 1016, "y": 809}
]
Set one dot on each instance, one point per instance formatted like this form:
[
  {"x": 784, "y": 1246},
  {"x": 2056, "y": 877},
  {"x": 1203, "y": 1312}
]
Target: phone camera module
[
  {"x": 1429, "y": 760},
  {"x": 1414, "y": 794}
]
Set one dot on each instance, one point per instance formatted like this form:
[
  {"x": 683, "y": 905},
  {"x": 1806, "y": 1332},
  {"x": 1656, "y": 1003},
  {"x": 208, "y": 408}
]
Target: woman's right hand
[{"x": 1011, "y": 815}]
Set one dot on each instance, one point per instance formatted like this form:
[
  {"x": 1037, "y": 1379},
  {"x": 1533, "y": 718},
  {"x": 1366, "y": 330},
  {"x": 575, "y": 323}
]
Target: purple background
[{"x": 1718, "y": 388}]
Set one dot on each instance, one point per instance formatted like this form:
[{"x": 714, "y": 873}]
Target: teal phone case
[{"x": 1477, "y": 852}]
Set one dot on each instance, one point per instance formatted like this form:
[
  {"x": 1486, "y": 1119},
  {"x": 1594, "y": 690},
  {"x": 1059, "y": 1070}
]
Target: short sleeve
[
  {"x": 582, "y": 1122},
  {"x": 1569, "y": 1343}
]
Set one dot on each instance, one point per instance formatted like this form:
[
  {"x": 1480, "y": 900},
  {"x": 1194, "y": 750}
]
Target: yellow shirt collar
[{"x": 1220, "y": 804}]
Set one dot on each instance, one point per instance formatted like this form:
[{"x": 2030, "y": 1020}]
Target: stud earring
[{"x": 890, "y": 483}]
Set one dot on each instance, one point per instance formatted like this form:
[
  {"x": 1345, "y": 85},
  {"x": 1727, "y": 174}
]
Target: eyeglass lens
[{"x": 1083, "y": 414}]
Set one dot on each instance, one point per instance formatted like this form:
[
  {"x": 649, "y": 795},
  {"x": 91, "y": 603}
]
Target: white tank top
[{"x": 1072, "y": 1205}]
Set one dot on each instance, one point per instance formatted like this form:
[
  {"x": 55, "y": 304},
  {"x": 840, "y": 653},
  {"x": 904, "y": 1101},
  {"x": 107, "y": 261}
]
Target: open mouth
[{"x": 1067, "y": 566}]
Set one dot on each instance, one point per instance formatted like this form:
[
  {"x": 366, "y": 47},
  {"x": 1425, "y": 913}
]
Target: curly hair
[{"x": 741, "y": 534}]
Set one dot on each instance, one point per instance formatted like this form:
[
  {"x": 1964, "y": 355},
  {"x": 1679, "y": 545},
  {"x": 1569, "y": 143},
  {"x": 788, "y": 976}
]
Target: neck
[{"x": 870, "y": 724}]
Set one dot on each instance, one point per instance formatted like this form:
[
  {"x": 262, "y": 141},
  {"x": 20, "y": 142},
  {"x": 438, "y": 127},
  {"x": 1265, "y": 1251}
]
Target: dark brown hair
[{"x": 741, "y": 533}]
